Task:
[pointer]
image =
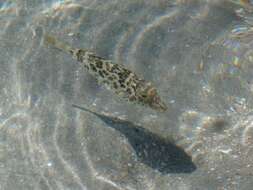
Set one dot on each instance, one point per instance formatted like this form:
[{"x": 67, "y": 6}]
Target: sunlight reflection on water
[{"x": 197, "y": 53}]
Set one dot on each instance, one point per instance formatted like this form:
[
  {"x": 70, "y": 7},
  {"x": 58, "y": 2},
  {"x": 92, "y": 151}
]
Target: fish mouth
[{"x": 159, "y": 106}]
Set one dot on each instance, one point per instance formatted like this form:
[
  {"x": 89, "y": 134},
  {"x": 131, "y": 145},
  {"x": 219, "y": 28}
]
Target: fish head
[
  {"x": 155, "y": 101},
  {"x": 151, "y": 97}
]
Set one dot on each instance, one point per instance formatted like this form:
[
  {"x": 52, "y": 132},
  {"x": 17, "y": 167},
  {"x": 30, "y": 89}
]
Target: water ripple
[{"x": 46, "y": 144}]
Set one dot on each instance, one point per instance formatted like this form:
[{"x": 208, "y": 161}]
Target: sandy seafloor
[{"x": 198, "y": 53}]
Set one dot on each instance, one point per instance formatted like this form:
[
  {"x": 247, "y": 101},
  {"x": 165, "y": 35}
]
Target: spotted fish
[{"x": 119, "y": 79}]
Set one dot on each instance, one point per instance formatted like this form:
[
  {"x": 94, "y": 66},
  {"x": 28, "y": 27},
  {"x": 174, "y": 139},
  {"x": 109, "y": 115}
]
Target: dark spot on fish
[
  {"x": 101, "y": 73},
  {"x": 105, "y": 73},
  {"x": 99, "y": 64},
  {"x": 110, "y": 78},
  {"x": 115, "y": 77},
  {"x": 80, "y": 53},
  {"x": 93, "y": 67},
  {"x": 121, "y": 81},
  {"x": 123, "y": 76},
  {"x": 120, "y": 75},
  {"x": 134, "y": 87},
  {"x": 129, "y": 90},
  {"x": 115, "y": 68},
  {"x": 126, "y": 71},
  {"x": 107, "y": 65},
  {"x": 115, "y": 85},
  {"x": 122, "y": 85}
]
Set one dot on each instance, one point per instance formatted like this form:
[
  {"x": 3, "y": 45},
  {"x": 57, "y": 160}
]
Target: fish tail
[{"x": 51, "y": 40}]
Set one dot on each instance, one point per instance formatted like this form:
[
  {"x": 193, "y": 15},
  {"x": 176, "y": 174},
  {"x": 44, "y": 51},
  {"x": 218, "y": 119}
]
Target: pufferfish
[{"x": 116, "y": 77}]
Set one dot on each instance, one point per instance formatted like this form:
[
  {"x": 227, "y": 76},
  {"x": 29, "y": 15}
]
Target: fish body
[{"x": 121, "y": 80}]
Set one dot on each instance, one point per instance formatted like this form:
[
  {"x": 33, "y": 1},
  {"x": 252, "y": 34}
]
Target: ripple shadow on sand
[{"x": 151, "y": 150}]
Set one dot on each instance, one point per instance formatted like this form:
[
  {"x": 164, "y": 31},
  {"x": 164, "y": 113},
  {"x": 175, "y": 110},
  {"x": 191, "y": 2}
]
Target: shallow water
[{"x": 197, "y": 53}]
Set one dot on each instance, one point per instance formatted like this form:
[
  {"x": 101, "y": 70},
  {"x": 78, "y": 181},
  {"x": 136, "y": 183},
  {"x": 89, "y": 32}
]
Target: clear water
[{"x": 197, "y": 53}]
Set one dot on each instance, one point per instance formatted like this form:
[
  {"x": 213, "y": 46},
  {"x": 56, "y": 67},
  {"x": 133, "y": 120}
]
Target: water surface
[{"x": 197, "y": 53}]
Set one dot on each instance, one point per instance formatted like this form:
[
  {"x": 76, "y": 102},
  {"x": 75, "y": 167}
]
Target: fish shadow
[{"x": 152, "y": 150}]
